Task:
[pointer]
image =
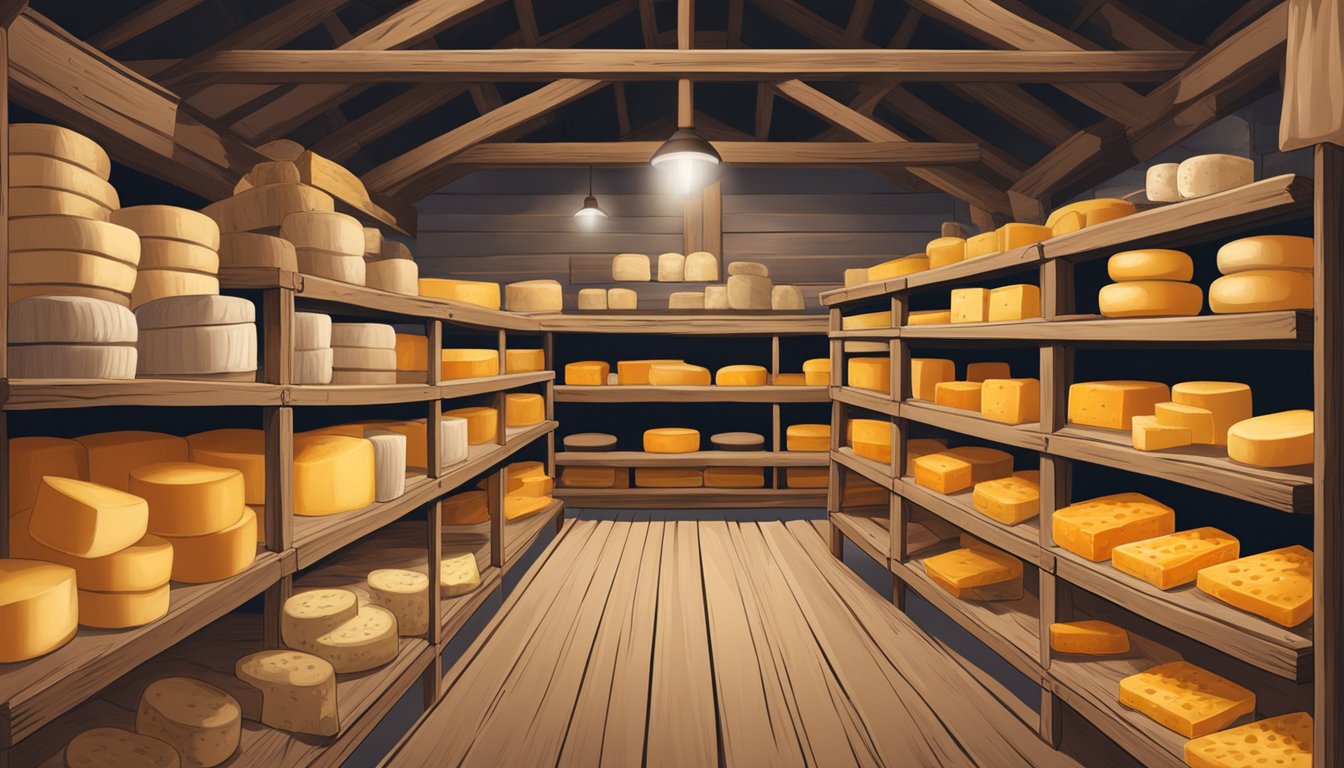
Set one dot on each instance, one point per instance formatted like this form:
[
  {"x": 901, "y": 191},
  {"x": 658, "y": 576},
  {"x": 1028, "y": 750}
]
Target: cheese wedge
[
  {"x": 201, "y": 722},
  {"x": 671, "y": 440},
  {"x": 1094, "y": 527},
  {"x": 469, "y": 363},
  {"x": 1114, "y": 404},
  {"x": 677, "y": 375},
  {"x": 1009, "y": 500},
  {"x": 187, "y": 499},
  {"x": 216, "y": 556},
  {"x": 739, "y": 376},
  {"x": 976, "y": 573},
  {"x": 470, "y": 508},
  {"x": 85, "y": 519},
  {"x": 1261, "y": 290},
  {"x": 459, "y": 574},
  {"x": 1011, "y": 401},
  {"x": 1148, "y": 433},
  {"x": 945, "y": 250},
  {"x": 657, "y": 477},
  {"x": 817, "y": 372},
  {"x": 983, "y": 244},
  {"x": 367, "y": 641},
  {"x": 1187, "y": 699},
  {"x": 921, "y": 446},
  {"x": 1090, "y": 637},
  {"x": 298, "y": 690},
  {"x": 406, "y": 594},
  {"x": 1266, "y": 252},
  {"x": 957, "y": 469},
  {"x": 117, "y": 746},
  {"x": 871, "y": 373},
  {"x": 807, "y": 437},
  {"x": 1150, "y": 298},
  {"x": 1228, "y": 401},
  {"x": 906, "y": 265},
  {"x": 926, "y": 373},
  {"x": 1276, "y": 584},
  {"x": 1284, "y": 439},
  {"x": 332, "y": 474},
  {"x": 1016, "y": 235},
  {"x": 472, "y": 292},
  {"x": 1170, "y": 561},
  {"x": 929, "y": 317},
  {"x": 734, "y": 477},
  {"x": 589, "y": 373},
  {"x": 1283, "y": 742},
  {"x": 970, "y": 305},
  {"x": 1014, "y": 302},
  {"x": 146, "y": 564},
  {"x": 122, "y": 610},
  {"x": 1197, "y": 421},
  {"x": 1150, "y": 264},
  {"x": 38, "y": 608},
  {"x": 482, "y": 423}
]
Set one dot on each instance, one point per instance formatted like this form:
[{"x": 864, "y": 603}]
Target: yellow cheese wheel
[
  {"x": 112, "y": 455},
  {"x": 30, "y": 458},
  {"x": 1150, "y": 298},
  {"x": 636, "y": 372},
  {"x": 38, "y": 608},
  {"x": 86, "y": 519},
  {"x": 807, "y": 437},
  {"x": 734, "y": 477},
  {"x": 741, "y": 376},
  {"x": 1227, "y": 402},
  {"x": 27, "y": 202},
  {"x": 155, "y": 284},
  {"x": 1282, "y": 439},
  {"x": 524, "y": 360},
  {"x": 1150, "y": 264},
  {"x": 216, "y": 556},
  {"x": 1089, "y": 213},
  {"x": 1261, "y": 290},
  {"x": 870, "y": 373},
  {"x": 470, "y": 508},
  {"x": 588, "y": 373},
  {"x": 161, "y": 253},
  {"x": 146, "y": 564},
  {"x": 523, "y": 409},
  {"x": 651, "y": 477},
  {"x": 170, "y": 222},
  {"x": 66, "y": 233},
  {"x": 121, "y": 610},
  {"x": 188, "y": 499},
  {"x": 1266, "y": 252},
  {"x": 817, "y": 372},
  {"x": 466, "y": 291},
  {"x": 906, "y": 265},
  {"x": 62, "y": 143},
  {"x": 482, "y": 423},
  {"x": 469, "y": 363},
  {"x": 36, "y": 171},
  {"x": 945, "y": 250},
  {"x": 332, "y": 474},
  {"x": 929, "y": 317},
  {"x": 71, "y": 268},
  {"x": 671, "y": 440},
  {"x": 412, "y": 352},
  {"x": 982, "y": 244},
  {"x": 240, "y": 449},
  {"x": 678, "y": 375},
  {"x": 1016, "y": 235}
]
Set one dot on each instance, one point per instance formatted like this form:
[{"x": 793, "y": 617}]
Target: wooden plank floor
[{"x": 678, "y": 643}]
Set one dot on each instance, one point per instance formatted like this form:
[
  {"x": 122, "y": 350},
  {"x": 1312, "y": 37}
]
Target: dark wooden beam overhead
[
  {"x": 1124, "y": 27},
  {"x": 145, "y": 18},
  {"x": 1244, "y": 14},
  {"x": 527, "y": 22},
  {"x": 739, "y": 153},
  {"x": 858, "y": 20},
  {"x": 765, "y": 107},
  {"x": 1012, "y": 103},
  {"x": 933, "y": 122},
  {"x": 648, "y": 23}
]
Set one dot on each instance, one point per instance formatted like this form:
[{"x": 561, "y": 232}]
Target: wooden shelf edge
[
  {"x": 705, "y": 498},
  {"x": 973, "y": 424},
  {"x": 873, "y": 290},
  {"x": 570, "y": 393},
  {"x": 976, "y": 524},
  {"x": 1282, "y": 328},
  {"x": 710, "y": 323},
  {"x": 694, "y": 459},
  {"x": 854, "y": 530},
  {"x": 869, "y": 399},
  {"x": 866, "y": 468},
  {"x": 514, "y": 550}
]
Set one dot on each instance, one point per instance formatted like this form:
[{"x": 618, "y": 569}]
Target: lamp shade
[{"x": 690, "y": 161}]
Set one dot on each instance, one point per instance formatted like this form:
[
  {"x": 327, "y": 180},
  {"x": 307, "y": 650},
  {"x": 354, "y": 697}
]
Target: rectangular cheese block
[
  {"x": 958, "y": 394},
  {"x": 647, "y": 477},
  {"x": 1094, "y": 527},
  {"x": 473, "y": 292},
  {"x": 589, "y": 373},
  {"x": 866, "y": 320},
  {"x": 872, "y": 373},
  {"x": 945, "y": 250},
  {"x": 1283, "y": 742},
  {"x": 1090, "y": 637},
  {"x": 970, "y": 305},
  {"x": 1187, "y": 699},
  {"x": 1276, "y": 585},
  {"x": 482, "y": 423},
  {"x": 1114, "y": 404},
  {"x": 1014, "y": 302},
  {"x": 806, "y": 477},
  {"x": 332, "y": 474},
  {"x": 112, "y": 455},
  {"x": 1009, "y": 500},
  {"x": 412, "y": 353},
  {"x": 926, "y": 373},
  {"x": 906, "y": 265},
  {"x": 636, "y": 372},
  {"x": 534, "y": 296},
  {"x": 957, "y": 469},
  {"x": 622, "y": 298},
  {"x": 630, "y": 267},
  {"x": 982, "y": 244},
  {"x": 976, "y": 573},
  {"x": 1017, "y": 234},
  {"x": 929, "y": 317},
  {"x": 921, "y": 446},
  {"x": 524, "y": 360},
  {"x": 1172, "y": 560},
  {"x": 1149, "y": 434},
  {"x": 1011, "y": 401},
  {"x": 468, "y": 363},
  {"x": 1228, "y": 402}
]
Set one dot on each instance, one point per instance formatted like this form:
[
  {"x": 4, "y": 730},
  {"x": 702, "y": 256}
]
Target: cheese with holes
[
  {"x": 1284, "y": 439},
  {"x": 622, "y": 298},
  {"x": 1261, "y": 290},
  {"x": 251, "y": 249},
  {"x": 1197, "y": 421},
  {"x": 872, "y": 373},
  {"x": 36, "y": 171},
  {"x": 201, "y": 722},
  {"x": 1087, "y": 213},
  {"x": 970, "y": 305},
  {"x": 534, "y": 296},
  {"x": 734, "y": 477},
  {"x": 309, "y": 615},
  {"x": 1284, "y": 742},
  {"x": 588, "y": 373},
  {"x": 298, "y": 690},
  {"x": 945, "y": 250},
  {"x": 1276, "y": 585},
  {"x": 1208, "y": 174},
  {"x": 1170, "y": 561},
  {"x": 198, "y": 351},
  {"x": 701, "y": 267},
  {"x": 406, "y": 594},
  {"x": 155, "y": 284},
  {"x": 469, "y": 363},
  {"x": 807, "y": 437},
  {"x": 737, "y": 376},
  {"x": 62, "y": 143},
  {"x": 905, "y": 265},
  {"x": 686, "y": 300},
  {"x": 160, "y": 253},
  {"x": 524, "y": 409},
  {"x": 70, "y": 320},
  {"x": 30, "y": 458},
  {"x": 336, "y": 233},
  {"x": 588, "y": 477},
  {"x": 630, "y": 267},
  {"x": 389, "y": 463},
  {"x": 1090, "y": 637},
  {"x": 85, "y": 519},
  {"x": 983, "y": 371},
  {"x": 671, "y": 267},
  {"x": 647, "y": 477},
  {"x": 1150, "y": 298},
  {"x": 1016, "y": 235},
  {"x": 470, "y": 508},
  {"x": 592, "y": 298},
  {"x": 958, "y": 394},
  {"x": 1014, "y": 302},
  {"x": 332, "y": 474},
  {"x": 265, "y": 208},
  {"x": 787, "y": 298},
  {"x": 189, "y": 499},
  {"x": 170, "y": 222},
  {"x": 1114, "y": 404},
  {"x": 112, "y": 455},
  {"x": 1011, "y": 401},
  {"x": 1266, "y": 252},
  {"x": 1148, "y": 433},
  {"x": 926, "y": 373},
  {"x": 38, "y": 608},
  {"x": 473, "y": 292},
  {"x": 459, "y": 574},
  {"x": 1150, "y": 264},
  {"x": 976, "y": 573},
  {"x": 817, "y": 372},
  {"x": 671, "y": 440},
  {"x": 98, "y": 747},
  {"x": 68, "y": 268},
  {"x": 929, "y": 317},
  {"x": 982, "y": 244},
  {"x": 678, "y": 375},
  {"x": 870, "y": 438},
  {"x": 393, "y": 275},
  {"x": 482, "y": 423},
  {"x": 749, "y": 291},
  {"x": 1009, "y": 500},
  {"x": 956, "y": 469},
  {"x": 636, "y": 372},
  {"x": 454, "y": 440},
  {"x": 72, "y": 361},
  {"x": 313, "y": 366},
  {"x": 921, "y": 446},
  {"x": 524, "y": 360},
  {"x": 122, "y": 610},
  {"x": 867, "y": 320},
  {"x": 341, "y": 267},
  {"x": 1227, "y": 401},
  {"x": 1160, "y": 183},
  {"x": 855, "y": 277},
  {"x": 1094, "y": 527},
  {"x": 1187, "y": 699}
]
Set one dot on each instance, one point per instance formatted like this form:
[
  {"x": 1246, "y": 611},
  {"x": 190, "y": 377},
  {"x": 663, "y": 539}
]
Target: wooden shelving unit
[{"x": 1274, "y": 661}]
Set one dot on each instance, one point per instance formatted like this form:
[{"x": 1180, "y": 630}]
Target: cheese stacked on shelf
[
  {"x": 472, "y": 292},
  {"x": 200, "y": 722},
  {"x": 71, "y": 337},
  {"x": 363, "y": 353},
  {"x": 534, "y": 296},
  {"x": 265, "y": 197},
  {"x": 314, "y": 359},
  {"x": 995, "y": 305},
  {"x": 482, "y": 423},
  {"x": 1153, "y": 282},
  {"x": 406, "y": 594},
  {"x": 333, "y": 473},
  {"x": 1087, "y": 213},
  {"x": 956, "y": 469},
  {"x": 1199, "y": 413},
  {"x": 976, "y": 572},
  {"x": 1265, "y": 273},
  {"x": 1276, "y": 585},
  {"x": 1009, "y": 500},
  {"x": 592, "y": 477},
  {"x": 870, "y": 438},
  {"x": 257, "y": 250},
  {"x": 327, "y": 244},
  {"x": 55, "y": 171},
  {"x": 592, "y": 298},
  {"x": 527, "y": 489},
  {"x": 389, "y": 265},
  {"x": 749, "y": 285},
  {"x": 468, "y": 363},
  {"x": 524, "y": 409},
  {"x": 1093, "y": 528},
  {"x": 240, "y": 449},
  {"x": 201, "y": 510},
  {"x": 179, "y": 252},
  {"x": 1169, "y": 561},
  {"x": 298, "y": 690},
  {"x": 389, "y": 462},
  {"x": 899, "y": 267},
  {"x": 670, "y": 440},
  {"x": 1187, "y": 699},
  {"x": 1285, "y": 740},
  {"x": 459, "y": 574},
  {"x": 1090, "y": 637},
  {"x": 207, "y": 337},
  {"x": 39, "y": 607},
  {"x": 332, "y": 625}
]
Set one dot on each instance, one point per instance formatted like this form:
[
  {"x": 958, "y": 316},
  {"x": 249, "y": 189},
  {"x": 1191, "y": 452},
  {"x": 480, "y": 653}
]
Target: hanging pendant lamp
[
  {"x": 591, "y": 213},
  {"x": 688, "y": 160}
]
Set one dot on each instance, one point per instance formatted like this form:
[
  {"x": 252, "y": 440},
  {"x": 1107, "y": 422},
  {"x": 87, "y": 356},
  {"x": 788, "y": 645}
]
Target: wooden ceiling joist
[
  {"x": 1012, "y": 103},
  {"x": 840, "y": 154},
  {"x": 145, "y": 18},
  {"x": 931, "y": 121},
  {"x": 1124, "y": 27}
]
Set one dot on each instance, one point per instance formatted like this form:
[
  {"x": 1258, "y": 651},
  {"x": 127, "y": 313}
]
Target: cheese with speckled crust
[
  {"x": 1094, "y": 527},
  {"x": 298, "y": 690},
  {"x": 111, "y": 747},
  {"x": 201, "y": 722},
  {"x": 458, "y": 574},
  {"x": 367, "y": 641},
  {"x": 1283, "y": 742},
  {"x": 406, "y": 594},
  {"x": 1189, "y": 700}
]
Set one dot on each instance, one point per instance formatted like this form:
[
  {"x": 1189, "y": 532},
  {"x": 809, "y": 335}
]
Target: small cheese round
[
  {"x": 587, "y": 373},
  {"x": 367, "y": 641},
  {"x": 201, "y": 722},
  {"x": 122, "y": 610},
  {"x": 678, "y": 375},
  {"x": 112, "y": 747},
  {"x": 671, "y": 440},
  {"x": 470, "y": 508},
  {"x": 1266, "y": 252},
  {"x": 400, "y": 276},
  {"x": 216, "y": 556},
  {"x": 171, "y": 223},
  {"x": 1150, "y": 264},
  {"x": 1262, "y": 290},
  {"x": 523, "y": 409},
  {"x": 741, "y": 376},
  {"x": 534, "y": 296},
  {"x": 341, "y": 267},
  {"x": 807, "y": 437},
  {"x": 309, "y": 615},
  {"x": 155, "y": 284},
  {"x": 524, "y": 360},
  {"x": 817, "y": 371},
  {"x": 1150, "y": 298},
  {"x": 406, "y": 594}
]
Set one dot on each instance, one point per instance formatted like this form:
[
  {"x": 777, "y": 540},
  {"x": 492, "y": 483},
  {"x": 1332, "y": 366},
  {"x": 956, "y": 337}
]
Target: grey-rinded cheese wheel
[{"x": 333, "y": 266}]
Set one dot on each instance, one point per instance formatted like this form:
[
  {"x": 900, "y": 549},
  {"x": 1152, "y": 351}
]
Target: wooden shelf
[
  {"x": 51, "y": 394},
  {"x": 698, "y": 498},
  {"x": 869, "y": 399},
  {"x": 872, "y": 470},
  {"x": 520, "y": 534},
  {"x": 1027, "y": 436},
  {"x": 664, "y": 324},
  {"x": 873, "y": 290},
  {"x": 568, "y": 393},
  {"x": 38, "y": 691},
  {"x": 1022, "y": 540},
  {"x": 354, "y": 394},
  {"x": 693, "y": 459},
  {"x": 870, "y": 533},
  {"x": 1259, "y": 329},
  {"x": 983, "y": 266}
]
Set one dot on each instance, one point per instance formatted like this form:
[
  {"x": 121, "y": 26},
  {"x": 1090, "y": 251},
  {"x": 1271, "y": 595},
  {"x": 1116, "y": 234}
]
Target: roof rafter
[
  {"x": 1127, "y": 28},
  {"x": 141, "y": 21},
  {"x": 740, "y": 153}
]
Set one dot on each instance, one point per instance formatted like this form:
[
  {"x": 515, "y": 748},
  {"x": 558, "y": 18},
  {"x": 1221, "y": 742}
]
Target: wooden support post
[
  {"x": 278, "y": 429},
  {"x": 277, "y": 318},
  {"x": 1047, "y": 603},
  {"x": 1056, "y": 492},
  {"x": 4, "y": 222},
  {"x": 431, "y": 680},
  {"x": 1052, "y": 718},
  {"x": 434, "y": 352},
  {"x": 837, "y": 363},
  {"x": 4, "y": 477},
  {"x": 711, "y": 213},
  {"x": 434, "y": 555},
  {"x": 776, "y": 414},
  {"x": 272, "y": 610},
  {"x": 897, "y": 514},
  {"x": 685, "y": 41},
  {"x": 693, "y": 224},
  {"x": 495, "y": 486},
  {"x": 434, "y": 438},
  {"x": 501, "y": 402}
]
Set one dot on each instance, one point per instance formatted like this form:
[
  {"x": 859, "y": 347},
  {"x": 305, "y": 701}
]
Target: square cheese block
[
  {"x": 1195, "y": 420},
  {"x": 1187, "y": 699},
  {"x": 671, "y": 267},
  {"x": 716, "y": 297},
  {"x": 1011, "y": 401},
  {"x": 921, "y": 446},
  {"x": 588, "y": 373},
  {"x": 1283, "y": 439},
  {"x": 686, "y": 300},
  {"x": 970, "y": 305},
  {"x": 905, "y": 265},
  {"x": 870, "y": 438},
  {"x": 982, "y": 244},
  {"x": 592, "y": 298},
  {"x": 1172, "y": 560},
  {"x": 872, "y": 373},
  {"x": 1009, "y": 500},
  {"x": 630, "y": 267},
  {"x": 636, "y": 372},
  {"x": 622, "y": 298},
  {"x": 1114, "y": 404},
  {"x": 957, "y": 469},
  {"x": 1014, "y": 302},
  {"x": 1283, "y": 742},
  {"x": 1227, "y": 402},
  {"x": 1090, "y": 637},
  {"x": 945, "y": 250},
  {"x": 958, "y": 394},
  {"x": 1094, "y": 527},
  {"x": 976, "y": 573},
  {"x": 787, "y": 298},
  {"x": 1016, "y": 234},
  {"x": 1276, "y": 584},
  {"x": 926, "y": 373}
]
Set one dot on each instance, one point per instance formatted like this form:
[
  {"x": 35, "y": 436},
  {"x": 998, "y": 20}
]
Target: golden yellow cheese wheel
[
  {"x": 587, "y": 373},
  {"x": 906, "y": 265},
  {"x": 1266, "y": 252},
  {"x": 332, "y": 474},
  {"x": 482, "y": 423},
  {"x": 678, "y": 375},
  {"x": 466, "y": 291},
  {"x": 1284, "y": 439},
  {"x": 122, "y": 610},
  {"x": 523, "y": 409},
  {"x": 240, "y": 449},
  {"x": 1150, "y": 264},
  {"x": 1086, "y": 213},
  {"x": 146, "y": 564},
  {"x": 807, "y": 437},
  {"x": 945, "y": 250},
  {"x": 1262, "y": 290},
  {"x": 38, "y": 608},
  {"x": 469, "y": 363},
  {"x": 524, "y": 360},
  {"x": 929, "y": 317},
  {"x": 188, "y": 499},
  {"x": 86, "y": 519},
  {"x": 671, "y": 440},
  {"x": 741, "y": 376},
  {"x": 216, "y": 556},
  {"x": 1150, "y": 298},
  {"x": 817, "y": 371}
]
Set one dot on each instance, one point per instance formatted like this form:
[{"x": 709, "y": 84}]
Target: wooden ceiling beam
[
  {"x": 1012, "y": 103},
  {"x": 1125, "y": 27},
  {"x": 926, "y": 118},
  {"x": 858, "y": 20},
  {"x": 527, "y": 22},
  {"x": 141, "y": 21},
  {"x": 10, "y": 10},
  {"x": 842, "y": 154},
  {"x": 735, "y": 9},
  {"x": 765, "y": 108},
  {"x": 1244, "y": 14}
]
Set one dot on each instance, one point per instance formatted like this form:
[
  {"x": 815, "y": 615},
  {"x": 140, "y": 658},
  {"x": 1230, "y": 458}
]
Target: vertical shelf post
[{"x": 277, "y": 318}]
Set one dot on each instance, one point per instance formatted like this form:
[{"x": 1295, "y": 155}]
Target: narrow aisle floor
[{"x": 701, "y": 643}]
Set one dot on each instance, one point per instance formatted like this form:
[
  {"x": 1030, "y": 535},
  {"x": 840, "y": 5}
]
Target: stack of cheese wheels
[
  {"x": 199, "y": 722},
  {"x": 313, "y": 355},
  {"x": 332, "y": 473},
  {"x": 534, "y": 296},
  {"x": 332, "y": 624},
  {"x": 1264, "y": 274},
  {"x": 1087, "y": 213},
  {"x": 468, "y": 363},
  {"x": 363, "y": 353},
  {"x": 55, "y": 171},
  {"x": 201, "y": 509},
  {"x": 71, "y": 337},
  {"x": 264, "y": 208},
  {"x": 391, "y": 267},
  {"x": 592, "y": 477},
  {"x": 670, "y": 440},
  {"x": 253, "y": 249},
  {"x": 198, "y": 337},
  {"x": 527, "y": 489},
  {"x": 329, "y": 245},
  {"x": 749, "y": 285},
  {"x": 482, "y": 423},
  {"x": 1152, "y": 282},
  {"x": 179, "y": 252},
  {"x": 240, "y": 449},
  {"x": 112, "y": 455},
  {"x": 69, "y": 256},
  {"x": 472, "y": 292},
  {"x": 412, "y": 358},
  {"x": 298, "y": 690}
]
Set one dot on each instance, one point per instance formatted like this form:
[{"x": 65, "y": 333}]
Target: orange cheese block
[
  {"x": 332, "y": 474},
  {"x": 906, "y": 265},
  {"x": 470, "y": 508},
  {"x": 1114, "y": 404},
  {"x": 1197, "y": 421},
  {"x": 647, "y": 477},
  {"x": 807, "y": 437},
  {"x": 1266, "y": 252},
  {"x": 240, "y": 449},
  {"x": 739, "y": 376},
  {"x": 30, "y": 458},
  {"x": 817, "y": 372},
  {"x": 112, "y": 455},
  {"x": 188, "y": 499},
  {"x": 958, "y": 394},
  {"x": 1016, "y": 234},
  {"x": 789, "y": 380},
  {"x": 671, "y": 440},
  {"x": 1172, "y": 560},
  {"x": 678, "y": 375},
  {"x": 1148, "y": 433},
  {"x": 945, "y": 250},
  {"x": 636, "y": 372},
  {"x": 122, "y": 610},
  {"x": 1087, "y": 213},
  {"x": 1283, "y": 742},
  {"x": 1094, "y": 527},
  {"x": 524, "y": 360},
  {"x": 482, "y": 423},
  {"x": 1275, "y": 584},
  {"x": 518, "y": 506},
  {"x": 144, "y": 565},
  {"x": 1187, "y": 699},
  {"x": 871, "y": 438},
  {"x": 1283, "y": 439},
  {"x": 734, "y": 477},
  {"x": 1014, "y": 302},
  {"x": 519, "y": 472},
  {"x": 1009, "y": 500},
  {"x": 589, "y": 373},
  {"x": 926, "y": 373},
  {"x": 982, "y": 371},
  {"x": 929, "y": 317},
  {"x": 921, "y": 446},
  {"x": 806, "y": 477},
  {"x": 1150, "y": 264},
  {"x": 976, "y": 573},
  {"x": 1011, "y": 401},
  {"x": 38, "y": 608},
  {"x": 412, "y": 352},
  {"x": 466, "y": 291},
  {"x": 523, "y": 409},
  {"x": 1227, "y": 401},
  {"x": 469, "y": 363},
  {"x": 982, "y": 244},
  {"x": 588, "y": 477},
  {"x": 970, "y": 305},
  {"x": 872, "y": 373},
  {"x": 957, "y": 469},
  {"x": 216, "y": 556},
  {"x": 1090, "y": 637},
  {"x": 85, "y": 519}
]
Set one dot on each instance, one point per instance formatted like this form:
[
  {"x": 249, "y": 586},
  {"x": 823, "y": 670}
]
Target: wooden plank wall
[{"x": 808, "y": 226}]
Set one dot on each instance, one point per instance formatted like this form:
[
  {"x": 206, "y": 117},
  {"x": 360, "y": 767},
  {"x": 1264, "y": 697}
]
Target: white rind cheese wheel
[
  {"x": 391, "y": 249},
  {"x": 161, "y": 253},
  {"x": 750, "y": 268},
  {"x": 70, "y": 268},
  {"x": 630, "y": 267},
  {"x": 155, "y": 284},
  {"x": 168, "y": 222},
  {"x": 373, "y": 242},
  {"x": 453, "y": 441},
  {"x": 36, "y": 171},
  {"x": 686, "y": 300},
  {"x": 332, "y": 232},
  {"x": 1160, "y": 183},
  {"x": 38, "y": 608},
  {"x": 1262, "y": 290},
  {"x": 701, "y": 267},
  {"x": 72, "y": 361},
  {"x": 201, "y": 722},
  {"x": 252, "y": 249},
  {"x": 1150, "y": 298},
  {"x": 198, "y": 350},
  {"x": 592, "y": 298},
  {"x": 622, "y": 298},
  {"x": 748, "y": 291},
  {"x": 787, "y": 297},
  {"x": 70, "y": 320},
  {"x": 312, "y": 614},
  {"x": 61, "y": 143},
  {"x": 26, "y": 202},
  {"x": 369, "y": 335},
  {"x": 313, "y": 366},
  {"x": 66, "y": 233},
  {"x": 18, "y": 292},
  {"x": 183, "y": 311},
  {"x": 367, "y": 641},
  {"x": 312, "y": 330},
  {"x": 716, "y": 297},
  {"x": 1208, "y": 174},
  {"x": 1266, "y": 252},
  {"x": 333, "y": 266},
  {"x": 265, "y": 208},
  {"x": 363, "y": 359},
  {"x": 671, "y": 268},
  {"x": 298, "y": 690},
  {"x": 109, "y": 747},
  {"x": 269, "y": 172},
  {"x": 534, "y": 296},
  {"x": 394, "y": 276},
  {"x": 404, "y": 593},
  {"x": 122, "y": 610},
  {"x": 389, "y": 463},
  {"x": 459, "y": 574}
]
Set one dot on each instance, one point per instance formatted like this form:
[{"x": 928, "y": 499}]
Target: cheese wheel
[
  {"x": 1224, "y": 403},
  {"x": 71, "y": 268},
  {"x": 622, "y": 298},
  {"x": 737, "y": 441},
  {"x": 587, "y": 373},
  {"x": 198, "y": 351},
  {"x": 313, "y": 366},
  {"x": 122, "y": 610},
  {"x": 36, "y": 171},
  {"x": 159, "y": 253},
  {"x": 32, "y": 458},
  {"x": 313, "y": 330},
  {"x": 371, "y": 335},
  {"x": 716, "y": 297},
  {"x": 112, "y": 455},
  {"x": 671, "y": 440},
  {"x": 466, "y": 291},
  {"x": 64, "y": 361},
  {"x": 38, "y": 608},
  {"x": 392, "y": 250},
  {"x": 740, "y": 376},
  {"x": 678, "y": 375},
  {"x": 872, "y": 373},
  {"x": 265, "y": 208},
  {"x": 701, "y": 267},
  {"x": 671, "y": 268},
  {"x": 309, "y": 615},
  {"x": 201, "y": 722},
  {"x": 647, "y": 477},
  {"x": 155, "y": 284},
  {"x": 404, "y": 593},
  {"x": 786, "y": 297},
  {"x": 251, "y": 249},
  {"x": 70, "y": 320},
  {"x": 807, "y": 437},
  {"x": 749, "y": 291},
  {"x": 189, "y": 499},
  {"x": 534, "y": 296},
  {"x": 336, "y": 233},
  {"x": 1266, "y": 252},
  {"x": 241, "y": 449},
  {"x": 817, "y": 371},
  {"x": 144, "y": 565},
  {"x": 592, "y": 298},
  {"x": 1016, "y": 235},
  {"x": 469, "y": 363},
  {"x": 734, "y": 477},
  {"x": 170, "y": 223},
  {"x": 100, "y": 747},
  {"x": 482, "y": 423},
  {"x": 630, "y": 267},
  {"x": 588, "y": 477},
  {"x": 269, "y": 172},
  {"x": 945, "y": 250},
  {"x": 1086, "y": 213},
  {"x": 470, "y": 508},
  {"x": 524, "y": 409},
  {"x": 332, "y": 474},
  {"x": 636, "y": 372},
  {"x": 1160, "y": 183},
  {"x": 85, "y": 519},
  {"x": 66, "y": 233},
  {"x": 1261, "y": 290},
  {"x": 298, "y": 690},
  {"x": 1150, "y": 298},
  {"x": 524, "y": 360},
  {"x": 27, "y": 202},
  {"x": 332, "y": 266},
  {"x": 459, "y": 574},
  {"x": 454, "y": 441},
  {"x": 1207, "y": 174},
  {"x": 216, "y": 556},
  {"x": 362, "y": 359},
  {"x": 394, "y": 276},
  {"x": 686, "y": 300},
  {"x": 1151, "y": 264},
  {"x": 367, "y": 641},
  {"x": 61, "y": 143},
  {"x": 1282, "y": 439}
]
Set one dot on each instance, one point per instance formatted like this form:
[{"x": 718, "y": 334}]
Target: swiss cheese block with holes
[
  {"x": 309, "y": 615},
  {"x": 189, "y": 499},
  {"x": 1284, "y": 741},
  {"x": 70, "y": 268},
  {"x": 333, "y": 266},
  {"x": 1284, "y": 439},
  {"x": 122, "y": 610},
  {"x": 671, "y": 267},
  {"x": 622, "y": 298},
  {"x": 671, "y": 440},
  {"x": 312, "y": 330},
  {"x": 1228, "y": 402},
  {"x": 749, "y": 291},
  {"x": 469, "y": 363},
  {"x": 112, "y": 455},
  {"x": 60, "y": 143},
  {"x": 240, "y": 449},
  {"x": 389, "y": 463},
  {"x": 534, "y": 296},
  {"x": 363, "y": 359},
  {"x": 1094, "y": 527},
  {"x": 1114, "y": 404},
  {"x": 587, "y": 373},
  {"x": 1149, "y": 434},
  {"x": 336, "y": 233},
  {"x": 32, "y": 458},
  {"x": 313, "y": 366},
  {"x": 786, "y": 297},
  {"x": 458, "y": 574},
  {"x": 367, "y": 641},
  {"x": 394, "y": 276},
  {"x": 734, "y": 477},
  {"x": 524, "y": 360},
  {"x": 201, "y": 722},
  {"x": 1187, "y": 699},
  {"x": 1014, "y": 302},
  {"x": 1208, "y": 174},
  {"x": 169, "y": 222},
  {"x": 155, "y": 284},
  {"x": 298, "y": 690},
  {"x": 1011, "y": 401},
  {"x": 1090, "y": 637},
  {"x": 252, "y": 249},
  {"x": 37, "y": 172},
  {"x": 636, "y": 372},
  {"x": 1259, "y": 290},
  {"x": 454, "y": 439},
  {"x": 118, "y": 746},
  {"x": 66, "y": 233},
  {"x": 592, "y": 298},
  {"x": 873, "y": 373},
  {"x": 265, "y": 208},
  {"x": 1150, "y": 264},
  {"x": 1009, "y": 500},
  {"x": 945, "y": 250},
  {"x": 956, "y": 469},
  {"x": 482, "y": 423},
  {"x": 905, "y": 265},
  {"x": 332, "y": 474},
  {"x": 472, "y": 292},
  {"x": 86, "y": 519},
  {"x": 1160, "y": 183},
  {"x": 1264, "y": 252},
  {"x": 970, "y": 305},
  {"x": 630, "y": 267},
  {"x": 686, "y": 300},
  {"x": 406, "y": 594},
  {"x": 807, "y": 437},
  {"x": 198, "y": 351},
  {"x": 371, "y": 335},
  {"x": 1016, "y": 234},
  {"x": 524, "y": 409},
  {"x": 1150, "y": 298},
  {"x": 161, "y": 253},
  {"x": 1276, "y": 585},
  {"x": 701, "y": 267},
  {"x": 976, "y": 573},
  {"x": 926, "y": 373},
  {"x": 39, "y": 609},
  {"x": 70, "y": 320},
  {"x": 1172, "y": 560},
  {"x": 965, "y": 395},
  {"x": 739, "y": 376},
  {"x": 678, "y": 375},
  {"x": 26, "y": 202}
]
